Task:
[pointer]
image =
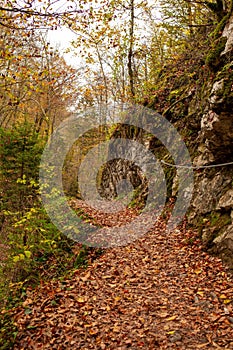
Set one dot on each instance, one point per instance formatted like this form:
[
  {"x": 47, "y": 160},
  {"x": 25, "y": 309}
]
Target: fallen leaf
[
  {"x": 86, "y": 277},
  {"x": 80, "y": 300},
  {"x": 171, "y": 318}
]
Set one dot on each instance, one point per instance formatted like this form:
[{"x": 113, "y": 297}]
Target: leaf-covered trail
[{"x": 160, "y": 292}]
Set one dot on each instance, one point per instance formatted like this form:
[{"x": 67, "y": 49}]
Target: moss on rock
[{"x": 214, "y": 59}]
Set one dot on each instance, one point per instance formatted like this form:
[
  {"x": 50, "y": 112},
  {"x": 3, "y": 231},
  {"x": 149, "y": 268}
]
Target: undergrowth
[{"x": 32, "y": 249}]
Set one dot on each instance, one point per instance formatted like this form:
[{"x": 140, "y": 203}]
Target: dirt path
[{"x": 161, "y": 292}]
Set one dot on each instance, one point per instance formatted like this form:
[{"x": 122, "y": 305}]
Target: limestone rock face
[
  {"x": 226, "y": 201},
  {"x": 212, "y": 205},
  {"x": 208, "y": 191}
]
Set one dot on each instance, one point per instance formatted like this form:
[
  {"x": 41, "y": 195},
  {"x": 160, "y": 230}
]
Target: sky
[{"x": 61, "y": 39}]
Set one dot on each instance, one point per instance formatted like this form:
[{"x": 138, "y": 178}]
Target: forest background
[{"x": 157, "y": 54}]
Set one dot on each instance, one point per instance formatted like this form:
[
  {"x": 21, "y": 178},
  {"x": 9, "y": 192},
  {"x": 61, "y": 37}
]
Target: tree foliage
[
  {"x": 152, "y": 53},
  {"x": 37, "y": 90}
]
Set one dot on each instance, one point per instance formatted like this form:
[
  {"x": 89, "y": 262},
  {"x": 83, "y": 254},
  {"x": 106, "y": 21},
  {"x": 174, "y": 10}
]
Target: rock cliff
[{"x": 212, "y": 205}]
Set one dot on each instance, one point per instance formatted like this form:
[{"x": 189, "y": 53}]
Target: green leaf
[
  {"x": 16, "y": 258},
  {"x": 28, "y": 254},
  {"x": 28, "y": 311}
]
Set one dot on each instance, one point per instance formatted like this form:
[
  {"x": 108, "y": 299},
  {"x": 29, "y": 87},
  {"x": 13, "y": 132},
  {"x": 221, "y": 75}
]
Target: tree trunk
[{"x": 130, "y": 53}]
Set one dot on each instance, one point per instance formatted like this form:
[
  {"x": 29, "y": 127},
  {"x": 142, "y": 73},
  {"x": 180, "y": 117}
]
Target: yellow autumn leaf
[
  {"x": 171, "y": 318},
  {"x": 200, "y": 293},
  {"x": 227, "y": 301},
  {"x": 80, "y": 300},
  {"x": 222, "y": 296}
]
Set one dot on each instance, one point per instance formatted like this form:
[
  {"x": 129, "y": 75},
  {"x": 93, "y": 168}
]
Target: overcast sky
[{"x": 61, "y": 39}]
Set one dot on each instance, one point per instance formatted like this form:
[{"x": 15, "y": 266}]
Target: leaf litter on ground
[{"x": 162, "y": 291}]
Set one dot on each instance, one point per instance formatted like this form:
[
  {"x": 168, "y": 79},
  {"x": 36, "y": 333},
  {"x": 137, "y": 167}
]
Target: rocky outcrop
[
  {"x": 121, "y": 176},
  {"x": 212, "y": 205}
]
